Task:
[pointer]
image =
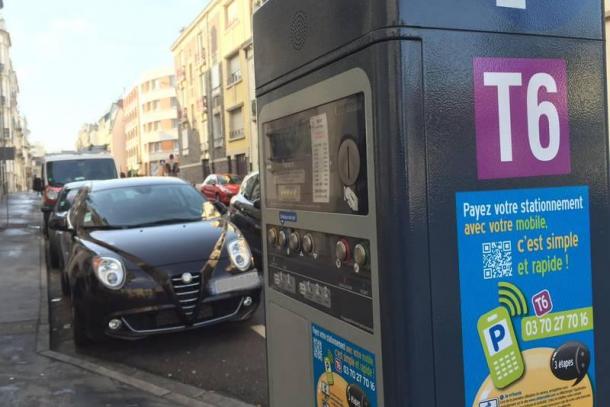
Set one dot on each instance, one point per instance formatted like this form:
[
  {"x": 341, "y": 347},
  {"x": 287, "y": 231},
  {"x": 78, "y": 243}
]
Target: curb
[{"x": 175, "y": 392}]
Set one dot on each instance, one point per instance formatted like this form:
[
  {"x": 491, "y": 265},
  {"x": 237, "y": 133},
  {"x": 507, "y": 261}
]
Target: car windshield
[
  {"x": 228, "y": 179},
  {"x": 60, "y": 173},
  {"x": 139, "y": 206},
  {"x": 66, "y": 200}
]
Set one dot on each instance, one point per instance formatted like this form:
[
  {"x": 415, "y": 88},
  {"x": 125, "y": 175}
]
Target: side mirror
[
  {"x": 257, "y": 203},
  {"x": 220, "y": 207},
  {"x": 59, "y": 223},
  {"x": 37, "y": 185}
]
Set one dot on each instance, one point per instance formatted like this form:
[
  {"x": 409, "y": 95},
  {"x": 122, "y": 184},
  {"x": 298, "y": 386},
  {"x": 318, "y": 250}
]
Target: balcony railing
[
  {"x": 234, "y": 78},
  {"x": 236, "y": 134}
]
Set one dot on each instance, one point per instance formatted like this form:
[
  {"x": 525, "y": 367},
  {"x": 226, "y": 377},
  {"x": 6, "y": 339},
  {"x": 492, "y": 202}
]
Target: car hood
[{"x": 167, "y": 244}]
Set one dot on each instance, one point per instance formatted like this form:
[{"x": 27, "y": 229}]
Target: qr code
[
  {"x": 497, "y": 260},
  {"x": 317, "y": 349}
]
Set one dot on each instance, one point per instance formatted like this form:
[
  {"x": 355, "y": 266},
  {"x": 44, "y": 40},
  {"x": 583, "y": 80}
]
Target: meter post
[{"x": 422, "y": 163}]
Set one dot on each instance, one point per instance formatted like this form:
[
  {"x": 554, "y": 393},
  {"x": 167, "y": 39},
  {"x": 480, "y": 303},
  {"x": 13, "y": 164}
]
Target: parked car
[
  {"x": 221, "y": 187},
  {"x": 59, "y": 241},
  {"x": 153, "y": 256},
  {"x": 61, "y": 169},
  {"x": 245, "y": 213}
]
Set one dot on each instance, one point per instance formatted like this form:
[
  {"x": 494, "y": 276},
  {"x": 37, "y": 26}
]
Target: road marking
[
  {"x": 512, "y": 3},
  {"x": 259, "y": 329}
]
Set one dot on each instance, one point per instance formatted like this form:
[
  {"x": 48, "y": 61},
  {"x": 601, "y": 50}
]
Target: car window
[
  {"x": 63, "y": 172},
  {"x": 66, "y": 200},
  {"x": 146, "y": 204},
  {"x": 256, "y": 189},
  {"x": 246, "y": 186},
  {"x": 77, "y": 207},
  {"x": 229, "y": 179},
  {"x": 208, "y": 180}
]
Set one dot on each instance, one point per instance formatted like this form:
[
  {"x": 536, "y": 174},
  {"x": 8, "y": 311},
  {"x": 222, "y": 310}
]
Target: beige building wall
[
  {"x": 151, "y": 122},
  {"x": 132, "y": 131},
  {"x": 215, "y": 83},
  {"x": 118, "y": 141}
]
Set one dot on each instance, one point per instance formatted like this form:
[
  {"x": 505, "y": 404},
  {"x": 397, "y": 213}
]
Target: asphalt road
[{"x": 229, "y": 359}]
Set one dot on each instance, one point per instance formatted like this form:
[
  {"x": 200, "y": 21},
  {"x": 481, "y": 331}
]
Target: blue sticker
[
  {"x": 344, "y": 374},
  {"x": 287, "y": 217},
  {"x": 526, "y": 297}
]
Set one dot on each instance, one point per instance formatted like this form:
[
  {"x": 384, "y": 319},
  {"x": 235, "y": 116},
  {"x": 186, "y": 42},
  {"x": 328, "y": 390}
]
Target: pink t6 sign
[{"x": 521, "y": 116}]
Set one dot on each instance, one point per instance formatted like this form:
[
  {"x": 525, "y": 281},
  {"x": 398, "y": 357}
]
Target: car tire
[
  {"x": 45, "y": 224},
  {"x": 53, "y": 257},
  {"x": 82, "y": 336},
  {"x": 65, "y": 286},
  {"x": 79, "y": 333}
]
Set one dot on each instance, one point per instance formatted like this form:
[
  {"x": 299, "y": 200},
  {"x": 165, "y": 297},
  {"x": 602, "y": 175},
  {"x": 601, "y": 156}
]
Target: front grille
[
  {"x": 153, "y": 320},
  {"x": 187, "y": 294},
  {"x": 218, "y": 309}
]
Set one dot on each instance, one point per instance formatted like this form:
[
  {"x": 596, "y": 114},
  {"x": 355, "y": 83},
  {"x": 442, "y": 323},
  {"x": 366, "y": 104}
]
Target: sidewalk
[{"x": 26, "y": 377}]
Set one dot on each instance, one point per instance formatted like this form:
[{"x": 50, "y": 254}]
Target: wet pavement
[{"x": 28, "y": 379}]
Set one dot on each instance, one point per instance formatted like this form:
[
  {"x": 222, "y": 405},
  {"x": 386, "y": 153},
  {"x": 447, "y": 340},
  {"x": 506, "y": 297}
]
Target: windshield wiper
[{"x": 165, "y": 222}]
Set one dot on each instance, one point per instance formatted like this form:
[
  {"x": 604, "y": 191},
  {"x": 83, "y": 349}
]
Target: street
[{"x": 228, "y": 359}]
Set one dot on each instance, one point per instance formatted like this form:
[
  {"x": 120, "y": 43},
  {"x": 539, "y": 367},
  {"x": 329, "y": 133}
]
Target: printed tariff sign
[
  {"x": 344, "y": 374},
  {"x": 521, "y": 117},
  {"x": 526, "y": 297}
]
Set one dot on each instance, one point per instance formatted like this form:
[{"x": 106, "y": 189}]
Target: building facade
[
  {"x": 87, "y": 136},
  {"x": 215, "y": 86},
  {"x": 151, "y": 122},
  {"x": 15, "y": 173},
  {"x": 118, "y": 140}
]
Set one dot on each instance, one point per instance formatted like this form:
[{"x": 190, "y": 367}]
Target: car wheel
[
  {"x": 53, "y": 257},
  {"x": 45, "y": 224},
  {"x": 80, "y": 334},
  {"x": 65, "y": 287}
]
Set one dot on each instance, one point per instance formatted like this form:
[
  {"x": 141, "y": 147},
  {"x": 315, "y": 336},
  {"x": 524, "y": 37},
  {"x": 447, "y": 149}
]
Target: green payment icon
[{"x": 501, "y": 348}]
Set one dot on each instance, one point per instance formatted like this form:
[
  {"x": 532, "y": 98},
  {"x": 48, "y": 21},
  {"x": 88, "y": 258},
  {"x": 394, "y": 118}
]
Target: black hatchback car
[{"x": 151, "y": 256}]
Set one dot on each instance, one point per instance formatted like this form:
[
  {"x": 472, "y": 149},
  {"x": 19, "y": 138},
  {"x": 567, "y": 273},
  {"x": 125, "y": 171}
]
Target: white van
[{"x": 61, "y": 169}]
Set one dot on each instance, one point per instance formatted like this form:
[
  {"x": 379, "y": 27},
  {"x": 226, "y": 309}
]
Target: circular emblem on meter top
[{"x": 187, "y": 278}]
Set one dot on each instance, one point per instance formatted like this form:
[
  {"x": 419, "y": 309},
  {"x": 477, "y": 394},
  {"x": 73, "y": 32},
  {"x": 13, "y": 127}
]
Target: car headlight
[
  {"x": 109, "y": 271},
  {"x": 240, "y": 254}
]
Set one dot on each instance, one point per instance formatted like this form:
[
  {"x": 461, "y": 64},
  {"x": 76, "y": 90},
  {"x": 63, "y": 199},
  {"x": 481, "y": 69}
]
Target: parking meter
[{"x": 435, "y": 202}]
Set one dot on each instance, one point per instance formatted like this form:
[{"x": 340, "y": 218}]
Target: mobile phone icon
[
  {"x": 328, "y": 368},
  {"x": 501, "y": 348}
]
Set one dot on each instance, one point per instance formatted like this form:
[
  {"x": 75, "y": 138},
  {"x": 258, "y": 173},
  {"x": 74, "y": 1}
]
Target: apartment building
[
  {"x": 87, "y": 136},
  {"x": 215, "y": 86},
  {"x": 151, "y": 122},
  {"x": 118, "y": 138},
  {"x": 14, "y": 173}
]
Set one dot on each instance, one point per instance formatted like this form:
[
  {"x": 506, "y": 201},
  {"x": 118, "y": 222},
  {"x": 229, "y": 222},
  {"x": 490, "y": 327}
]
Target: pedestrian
[
  {"x": 172, "y": 168},
  {"x": 161, "y": 169}
]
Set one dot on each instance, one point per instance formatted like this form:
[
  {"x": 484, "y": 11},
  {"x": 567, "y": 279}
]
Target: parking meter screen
[{"x": 316, "y": 160}]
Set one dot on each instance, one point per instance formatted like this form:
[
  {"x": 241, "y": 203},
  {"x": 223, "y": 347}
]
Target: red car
[{"x": 221, "y": 187}]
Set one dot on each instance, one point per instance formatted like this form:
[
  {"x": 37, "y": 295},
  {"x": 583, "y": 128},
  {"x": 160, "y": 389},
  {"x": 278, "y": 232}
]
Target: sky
[{"x": 73, "y": 58}]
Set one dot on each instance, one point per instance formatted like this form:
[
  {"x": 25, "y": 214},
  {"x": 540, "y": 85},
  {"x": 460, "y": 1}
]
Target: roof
[
  {"x": 135, "y": 182},
  {"x": 77, "y": 184},
  {"x": 76, "y": 156}
]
